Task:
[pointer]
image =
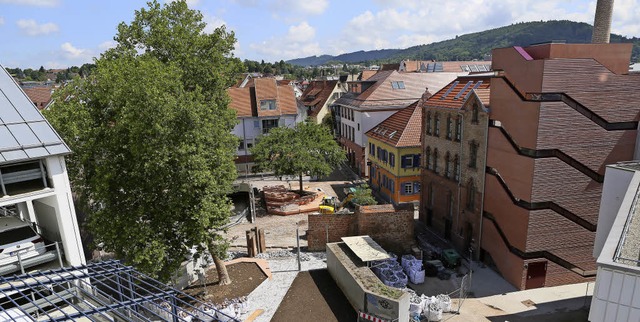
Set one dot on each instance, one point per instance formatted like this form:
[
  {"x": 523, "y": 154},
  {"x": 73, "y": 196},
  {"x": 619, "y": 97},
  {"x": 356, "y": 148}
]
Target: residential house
[
  {"x": 371, "y": 101},
  {"x": 559, "y": 113},
  {"x": 454, "y": 148},
  {"x": 33, "y": 176},
  {"x": 259, "y": 108},
  {"x": 319, "y": 95},
  {"x": 615, "y": 296},
  {"x": 394, "y": 155},
  {"x": 40, "y": 95}
]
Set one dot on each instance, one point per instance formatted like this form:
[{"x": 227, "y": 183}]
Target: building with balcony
[{"x": 33, "y": 176}]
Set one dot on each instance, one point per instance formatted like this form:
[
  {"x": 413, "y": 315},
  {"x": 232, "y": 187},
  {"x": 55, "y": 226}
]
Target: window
[
  {"x": 447, "y": 166},
  {"x": 407, "y": 188},
  {"x": 249, "y": 145},
  {"x": 429, "y": 123},
  {"x": 267, "y": 125},
  {"x": 407, "y": 161},
  {"x": 456, "y": 168},
  {"x": 392, "y": 186},
  {"x": 474, "y": 115},
  {"x": 458, "y": 128},
  {"x": 449, "y": 127},
  {"x": 435, "y": 160},
  {"x": 372, "y": 149},
  {"x": 473, "y": 154},
  {"x": 432, "y": 195},
  {"x": 436, "y": 125},
  {"x": 416, "y": 187},
  {"x": 256, "y": 124},
  {"x": 450, "y": 206},
  {"x": 427, "y": 157},
  {"x": 471, "y": 195},
  {"x": 379, "y": 150},
  {"x": 241, "y": 145},
  {"x": 392, "y": 160},
  {"x": 267, "y": 105},
  {"x": 397, "y": 85}
]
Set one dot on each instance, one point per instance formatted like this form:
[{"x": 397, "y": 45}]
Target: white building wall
[
  {"x": 615, "y": 188},
  {"x": 62, "y": 202},
  {"x": 616, "y": 297}
]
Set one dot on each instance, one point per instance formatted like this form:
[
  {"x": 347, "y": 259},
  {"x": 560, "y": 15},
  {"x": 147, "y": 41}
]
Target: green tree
[
  {"x": 306, "y": 149},
  {"x": 363, "y": 196},
  {"x": 151, "y": 132}
]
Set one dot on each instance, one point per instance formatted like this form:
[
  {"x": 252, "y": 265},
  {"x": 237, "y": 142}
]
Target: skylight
[{"x": 397, "y": 85}]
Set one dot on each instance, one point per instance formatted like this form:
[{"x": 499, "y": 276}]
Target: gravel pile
[{"x": 287, "y": 254}]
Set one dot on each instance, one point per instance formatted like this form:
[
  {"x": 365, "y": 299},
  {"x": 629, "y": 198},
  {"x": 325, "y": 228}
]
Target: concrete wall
[
  {"x": 389, "y": 227},
  {"x": 363, "y": 289}
]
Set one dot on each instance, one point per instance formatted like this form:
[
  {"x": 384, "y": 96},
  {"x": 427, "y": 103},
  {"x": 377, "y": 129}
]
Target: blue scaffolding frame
[{"x": 99, "y": 291}]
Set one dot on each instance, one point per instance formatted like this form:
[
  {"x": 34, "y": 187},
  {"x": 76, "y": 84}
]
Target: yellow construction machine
[{"x": 331, "y": 205}]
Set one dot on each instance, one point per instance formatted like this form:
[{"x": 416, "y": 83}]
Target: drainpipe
[
  {"x": 460, "y": 167},
  {"x": 486, "y": 151},
  {"x": 244, "y": 145}
]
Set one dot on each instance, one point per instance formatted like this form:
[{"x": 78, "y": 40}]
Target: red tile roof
[
  {"x": 402, "y": 129},
  {"x": 317, "y": 94},
  {"x": 381, "y": 92},
  {"x": 245, "y": 100},
  {"x": 455, "y": 93},
  {"x": 367, "y": 73},
  {"x": 447, "y": 66},
  {"x": 40, "y": 96}
]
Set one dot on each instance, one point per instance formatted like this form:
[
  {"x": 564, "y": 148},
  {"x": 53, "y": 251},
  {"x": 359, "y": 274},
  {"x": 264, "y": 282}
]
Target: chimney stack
[{"x": 602, "y": 22}]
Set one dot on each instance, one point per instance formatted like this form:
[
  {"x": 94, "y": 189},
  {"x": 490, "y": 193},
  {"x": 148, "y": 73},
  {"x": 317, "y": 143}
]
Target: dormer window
[
  {"x": 267, "y": 105},
  {"x": 397, "y": 85}
]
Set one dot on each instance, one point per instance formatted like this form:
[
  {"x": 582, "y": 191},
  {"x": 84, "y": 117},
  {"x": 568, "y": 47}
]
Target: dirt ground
[
  {"x": 314, "y": 297},
  {"x": 245, "y": 278}
]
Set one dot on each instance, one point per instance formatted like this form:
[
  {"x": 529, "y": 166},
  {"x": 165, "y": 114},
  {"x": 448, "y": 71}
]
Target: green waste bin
[{"x": 450, "y": 258}]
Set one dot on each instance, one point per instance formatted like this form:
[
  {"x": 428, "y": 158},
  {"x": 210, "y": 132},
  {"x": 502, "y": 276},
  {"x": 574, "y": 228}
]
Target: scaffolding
[{"x": 103, "y": 291}]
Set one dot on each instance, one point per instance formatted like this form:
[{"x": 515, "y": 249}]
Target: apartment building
[
  {"x": 260, "y": 106},
  {"x": 454, "y": 148},
  {"x": 394, "y": 155},
  {"x": 371, "y": 101}
]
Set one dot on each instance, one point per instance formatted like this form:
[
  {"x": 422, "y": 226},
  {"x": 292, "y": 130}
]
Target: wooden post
[
  {"x": 256, "y": 237},
  {"x": 263, "y": 243},
  {"x": 251, "y": 244}
]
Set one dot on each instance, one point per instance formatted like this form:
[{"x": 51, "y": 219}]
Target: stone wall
[{"x": 389, "y": 226}]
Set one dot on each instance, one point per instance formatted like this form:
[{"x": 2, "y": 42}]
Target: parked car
[{"x": 18, "y": 237}]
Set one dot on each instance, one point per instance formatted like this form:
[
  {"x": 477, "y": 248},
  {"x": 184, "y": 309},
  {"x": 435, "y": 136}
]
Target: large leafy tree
[
  {"x": 308, "y": 148},
  {"x": 151, "y": 132}
]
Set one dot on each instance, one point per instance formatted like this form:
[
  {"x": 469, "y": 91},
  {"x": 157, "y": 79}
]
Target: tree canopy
[
  {"x": 306, "y": 149},
  {"x": 151, "y": 132},
  {"x": 363, "y": 196}
]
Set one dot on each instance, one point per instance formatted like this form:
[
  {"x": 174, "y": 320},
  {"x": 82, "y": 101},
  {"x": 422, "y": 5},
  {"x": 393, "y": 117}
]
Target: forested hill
[{"x": 479, "y": 44}]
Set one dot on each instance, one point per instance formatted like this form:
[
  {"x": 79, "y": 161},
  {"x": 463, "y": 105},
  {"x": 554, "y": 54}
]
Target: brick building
[
  {"x": 559, "y": 114},
  {"x": 453, "y": 148}
]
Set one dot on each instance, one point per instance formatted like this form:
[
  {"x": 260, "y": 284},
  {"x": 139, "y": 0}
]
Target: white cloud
[
  {"x": 625, "y": 18},
  {"x": 33, "y": 3},
  {"x": 190, "y": 3},
  {"x": 405, "y": 23},
  {"x": 106, "y": 45},
  {"x": 69, "y": 51},
  {"x": 298, "y": 42},
  {"x": 1, "y": 21},
  {"x": 31, "y": 28},
  {"x": 212, "y": 22},
  {"x": 314, "y": 7}
]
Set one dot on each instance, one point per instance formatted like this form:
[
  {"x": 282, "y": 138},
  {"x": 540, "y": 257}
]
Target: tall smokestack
[{"x": 602, "y": 22}]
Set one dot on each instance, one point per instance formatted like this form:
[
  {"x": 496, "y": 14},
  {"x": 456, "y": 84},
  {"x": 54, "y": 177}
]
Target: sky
[{"x": 63, "y": 33}]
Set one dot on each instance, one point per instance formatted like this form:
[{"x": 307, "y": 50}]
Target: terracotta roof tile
[
  {"x": 317, "y": 94},
  {"x": 40, "y": 96},
  {"x": 245, "y": 101},
  {"x": 446, "y": 66},
  {"x": 455, "y": 93},
  {"x": 367, "y": 73},
  {"x": 402, "y": 129},
  {"x": 381, "y": 92}
]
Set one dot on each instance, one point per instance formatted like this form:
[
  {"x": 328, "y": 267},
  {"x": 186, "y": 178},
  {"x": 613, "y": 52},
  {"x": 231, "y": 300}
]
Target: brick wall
[{"x": 389, "y": 226}]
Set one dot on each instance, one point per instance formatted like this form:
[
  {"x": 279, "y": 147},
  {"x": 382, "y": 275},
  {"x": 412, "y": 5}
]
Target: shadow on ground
[{"x": 570, "y": 310}]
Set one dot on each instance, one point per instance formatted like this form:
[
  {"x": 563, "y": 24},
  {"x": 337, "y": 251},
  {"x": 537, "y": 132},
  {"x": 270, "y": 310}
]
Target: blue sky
[{"x": 62, "y": 33}]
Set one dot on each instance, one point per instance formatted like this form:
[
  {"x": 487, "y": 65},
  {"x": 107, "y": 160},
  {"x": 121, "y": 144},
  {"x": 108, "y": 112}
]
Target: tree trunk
[
  {"x": 301, "y": 183},
  {"x": 221, "y": 268}
]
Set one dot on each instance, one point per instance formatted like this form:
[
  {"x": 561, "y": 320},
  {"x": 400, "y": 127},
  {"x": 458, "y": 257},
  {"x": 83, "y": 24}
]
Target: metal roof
[
  {"x": 104, "y": 291},
  {"x": 365, "y": 248},
  {"x": 24, "y": 132}
]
